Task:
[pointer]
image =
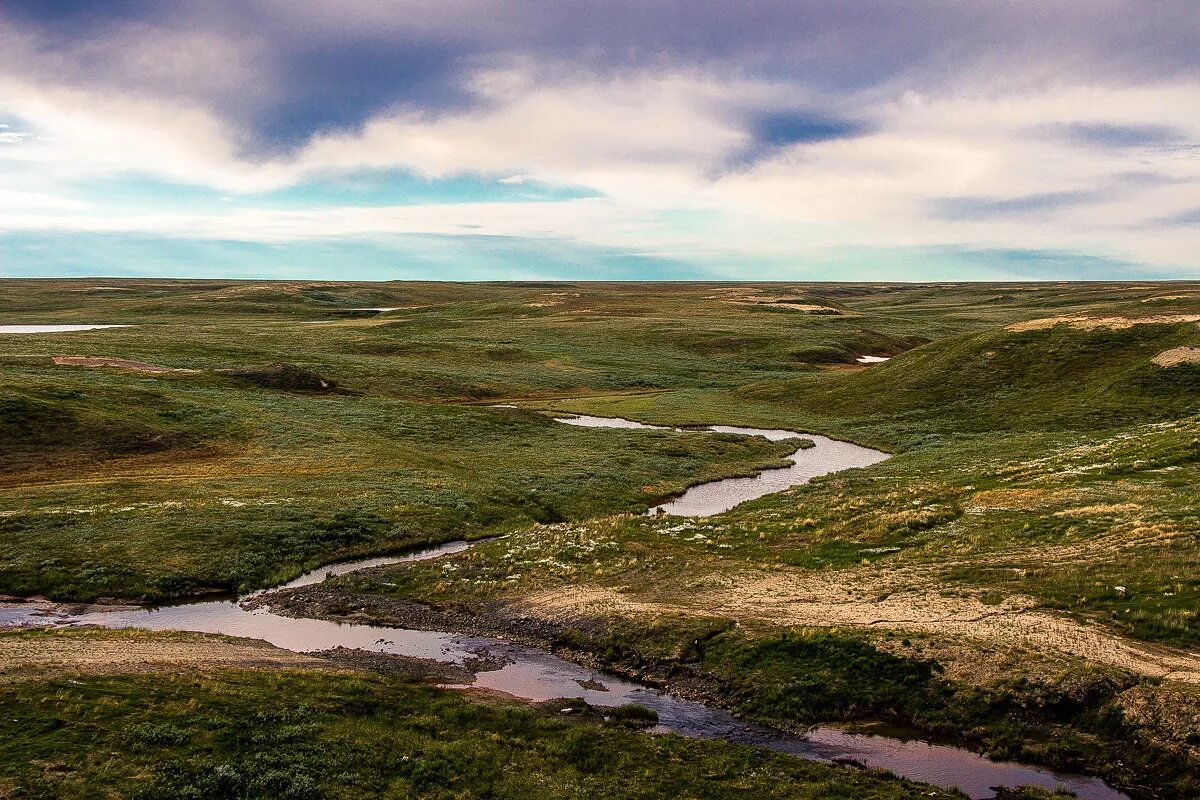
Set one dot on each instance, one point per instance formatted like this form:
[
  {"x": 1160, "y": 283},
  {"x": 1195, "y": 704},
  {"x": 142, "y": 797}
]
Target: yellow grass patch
[
  {"x": 1019, "y": 499},
  {"x": 1103, "y": 509}
]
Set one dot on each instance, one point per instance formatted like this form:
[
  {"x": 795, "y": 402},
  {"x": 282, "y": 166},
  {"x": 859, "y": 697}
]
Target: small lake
[{"x": 55, "y": 328}]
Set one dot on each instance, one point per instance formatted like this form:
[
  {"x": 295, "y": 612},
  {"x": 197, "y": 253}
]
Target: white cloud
[
  {"x": 23, "y": 200},
  {"x": 652, "y": 142}
]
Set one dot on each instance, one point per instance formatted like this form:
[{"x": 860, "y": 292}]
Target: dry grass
[{"x": 120, "y": 363}]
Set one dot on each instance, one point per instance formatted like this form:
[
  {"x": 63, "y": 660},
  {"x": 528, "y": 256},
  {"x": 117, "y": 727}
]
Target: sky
[{"x": 601, "y": 139}]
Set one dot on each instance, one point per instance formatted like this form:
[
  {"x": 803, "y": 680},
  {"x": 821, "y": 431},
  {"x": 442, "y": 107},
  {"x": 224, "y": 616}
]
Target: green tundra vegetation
[
  {"x": 1022, "y": 574},
  {"x": 292, "y": 734}
]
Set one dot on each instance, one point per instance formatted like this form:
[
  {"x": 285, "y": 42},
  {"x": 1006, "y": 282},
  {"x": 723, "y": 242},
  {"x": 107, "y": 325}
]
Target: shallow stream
[{"x": 536, "y": 675}]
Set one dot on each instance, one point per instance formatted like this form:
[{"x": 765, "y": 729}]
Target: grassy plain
[{"x": 1022, "y": 573}]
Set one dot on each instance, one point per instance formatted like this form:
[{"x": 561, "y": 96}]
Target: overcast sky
[{"x": 782, "y": 139}]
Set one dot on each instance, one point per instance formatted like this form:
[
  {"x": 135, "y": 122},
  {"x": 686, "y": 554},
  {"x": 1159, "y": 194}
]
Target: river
[{"x": 537, "y": 675}]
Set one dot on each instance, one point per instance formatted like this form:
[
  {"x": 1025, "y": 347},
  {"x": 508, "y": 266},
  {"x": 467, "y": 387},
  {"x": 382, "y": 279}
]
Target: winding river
[
  {"x": 705, "y": 499},
  {"x": 536, "y": 675}
]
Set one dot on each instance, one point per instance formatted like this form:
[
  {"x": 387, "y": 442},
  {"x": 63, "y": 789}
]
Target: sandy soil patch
[
  {"x": 817, "y": 601},
  {"x": 903, "y": 601},
  {"x": 120, "y": 363},
  {"x": 1092, "y": 323},
  {"x": 1176, "y": 356},
  {"x": 756, "y": 297},
  {"x": 582, "y": 603},
  {"x": 26, "y": 655},
  {"x": 552, "y": 299},
  {"x": 808, "y": 308}
]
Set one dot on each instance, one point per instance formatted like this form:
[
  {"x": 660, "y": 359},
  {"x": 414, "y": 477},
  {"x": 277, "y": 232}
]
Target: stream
[
  {"x": 713, "y": 497},
  {"x": 536, "y": 675}
]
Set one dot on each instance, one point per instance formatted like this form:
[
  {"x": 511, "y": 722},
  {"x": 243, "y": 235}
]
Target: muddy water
[
  {"x": 536, "y": 675},
  {"x": 828, "y": 455},
  {"x": 54, "y": 328}
]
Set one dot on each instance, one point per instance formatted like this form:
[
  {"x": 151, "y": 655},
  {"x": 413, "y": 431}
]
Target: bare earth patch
[
  {"x": 30, "y": 654},
  {"x": 584, "y": 603},
  {"x": 1176, "y": 356},
  {"x": 808, "y": 308},
  {"x": 818, "y": 601},
  {"x": 901, "y": 601},
  {"x": 1092, "y": 323},
  {"x": 741, "y": 296},
  {"x": 552, "y": 299},
  {"x": 120, "y": 363}
]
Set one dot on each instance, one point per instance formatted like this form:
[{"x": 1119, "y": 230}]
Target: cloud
[
  {"x": 1189, "y": 218},
  {"x": 1120, "y": 136},
  {"x": 784, "y": 128},
  {"x": 956, "y": 208},
  {"x": 285, "y": 70}
]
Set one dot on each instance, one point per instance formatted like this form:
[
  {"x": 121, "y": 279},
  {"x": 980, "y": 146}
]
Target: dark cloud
[
  {"x": 338, "y": 87},
  {"x": 1138, "y": 179},
  {"x": 1023, "y": 206},
  {"x": 321, "y": 64},
  {"x": 1184, "y": 219},
  {"x": 77, "y": 16},
  {"x": 774, "y": 130},
  {"x": 1119, "y": 136},
  {"x": 782, "y": 128}
]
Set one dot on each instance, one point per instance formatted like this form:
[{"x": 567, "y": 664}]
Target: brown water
[{"x": 536, "y": 675}]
